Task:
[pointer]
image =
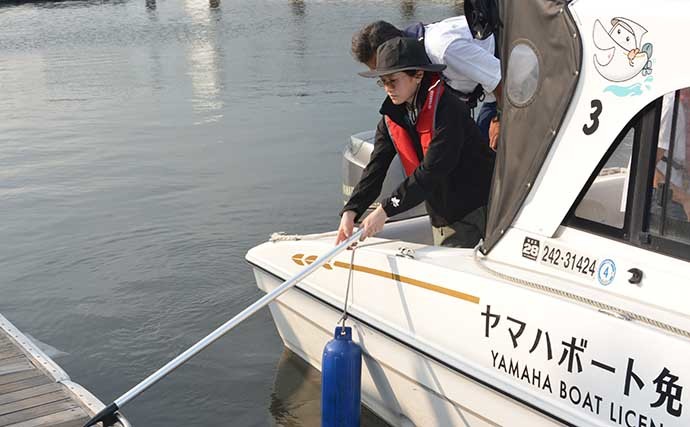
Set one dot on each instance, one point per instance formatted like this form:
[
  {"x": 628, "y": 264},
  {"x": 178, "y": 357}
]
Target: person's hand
[
  {"x": 494, "y": 132},
  {"x": 347, "y": 223},
  {"x": 374, "y": 222}
]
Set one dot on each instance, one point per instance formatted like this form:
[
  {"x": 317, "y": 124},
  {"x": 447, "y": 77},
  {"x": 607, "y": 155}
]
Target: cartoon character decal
[{"x": 620, "y": 53}]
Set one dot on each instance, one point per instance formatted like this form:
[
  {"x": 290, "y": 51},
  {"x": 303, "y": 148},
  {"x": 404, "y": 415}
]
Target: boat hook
[{"x": 108, "y": 414}]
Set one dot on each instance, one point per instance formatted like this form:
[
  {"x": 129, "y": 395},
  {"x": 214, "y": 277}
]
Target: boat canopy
[{"x": 541, "y": 55}]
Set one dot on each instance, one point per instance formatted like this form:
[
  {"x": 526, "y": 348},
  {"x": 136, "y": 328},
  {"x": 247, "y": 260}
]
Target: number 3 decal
[{"x": 590, "y": 129}]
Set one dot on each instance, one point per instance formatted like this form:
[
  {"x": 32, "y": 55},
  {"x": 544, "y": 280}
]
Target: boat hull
[
  {"x": 447, "y": 339},
  {"x": 400, "y": 384}
]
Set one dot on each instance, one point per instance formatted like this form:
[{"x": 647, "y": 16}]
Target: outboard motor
[
  {"x": 355, "y": 159},
  {"x": 482, "y": 17}
]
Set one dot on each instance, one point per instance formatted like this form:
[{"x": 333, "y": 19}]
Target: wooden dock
[{"x": 35, "y": 391}]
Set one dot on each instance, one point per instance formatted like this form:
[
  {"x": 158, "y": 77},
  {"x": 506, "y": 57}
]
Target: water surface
[{"x": 145, "y": 146}]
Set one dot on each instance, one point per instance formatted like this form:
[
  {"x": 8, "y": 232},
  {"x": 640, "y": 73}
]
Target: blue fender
[{"x": 341, "y": 379}]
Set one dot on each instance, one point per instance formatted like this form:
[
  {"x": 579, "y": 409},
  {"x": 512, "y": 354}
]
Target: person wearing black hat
[
  {"x": 447, "y": 162},
  {"x": 473, "y": 73}
]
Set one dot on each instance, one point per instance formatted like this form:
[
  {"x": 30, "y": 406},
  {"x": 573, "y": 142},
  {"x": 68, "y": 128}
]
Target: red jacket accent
[{"x": 425, "y": 128}]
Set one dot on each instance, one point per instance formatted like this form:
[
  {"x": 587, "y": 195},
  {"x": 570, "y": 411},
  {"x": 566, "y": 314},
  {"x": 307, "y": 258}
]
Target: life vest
[{"x": 425, "y": 128}]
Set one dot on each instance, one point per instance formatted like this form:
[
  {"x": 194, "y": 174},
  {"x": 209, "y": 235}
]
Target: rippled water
[{"x": 145, "y": 146}]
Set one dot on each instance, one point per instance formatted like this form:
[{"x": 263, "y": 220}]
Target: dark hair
[{"x": 368, "y": 39}]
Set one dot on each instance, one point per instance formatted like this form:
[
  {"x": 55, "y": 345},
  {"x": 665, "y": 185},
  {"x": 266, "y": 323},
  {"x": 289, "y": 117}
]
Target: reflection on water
[
  {"x": 206, "y": 62},
  {"x": 295, "y": 400},
  {"x": 458, "y": 8},
  {"x": 407, "y": 9},
  {"x": 298, "y": 7},
  {"x": 296, "y": 390}
]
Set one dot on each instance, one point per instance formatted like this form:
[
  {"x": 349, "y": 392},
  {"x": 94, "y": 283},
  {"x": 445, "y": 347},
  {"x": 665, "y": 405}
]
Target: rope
[
  {"x": 281, "y": 236},
  {"x": 625, "y": 314},
  {"x": 343, "y": 318}
]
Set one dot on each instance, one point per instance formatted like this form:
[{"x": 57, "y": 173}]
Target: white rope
[
  {"x": 627, "y": 315},
  {"x": 344, "y": 317},
  {"x": 281, "y": 236}
]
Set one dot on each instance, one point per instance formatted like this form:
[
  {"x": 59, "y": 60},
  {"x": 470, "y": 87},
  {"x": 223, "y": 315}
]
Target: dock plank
[
  {"x": 5, "y": 339},
  {"x": 8, "y": 354},
  {"x": 24, "y": 384},
  {"x": 16, "y": 367},
  {"x": 76, "y": 423},
  {"x": 7, "y": 347},
  {"x": 19, "y": 376},
  {"x": 29, "y": 393},
  {"x": 16, "y": 360},
  {"x": 36, "y": 412},
  {"x": 69, "y": 418},
  {"x": 33, "y": 402}
]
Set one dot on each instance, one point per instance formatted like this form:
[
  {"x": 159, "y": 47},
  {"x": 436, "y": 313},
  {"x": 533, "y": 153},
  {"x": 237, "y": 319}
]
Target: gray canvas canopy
[{"x": 541, "y": 57}]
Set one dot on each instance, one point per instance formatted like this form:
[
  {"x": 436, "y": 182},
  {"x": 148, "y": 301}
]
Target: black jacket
[{"x": 453, "y": 177}]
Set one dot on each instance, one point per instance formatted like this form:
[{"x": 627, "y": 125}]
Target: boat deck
[{"x": 35, "y": 391}]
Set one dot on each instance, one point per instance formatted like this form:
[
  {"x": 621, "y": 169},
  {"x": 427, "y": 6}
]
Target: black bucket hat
[{"x": 400, "y": 54}]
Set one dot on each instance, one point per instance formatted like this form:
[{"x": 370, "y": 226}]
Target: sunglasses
[{"x": 387, "y": 82}]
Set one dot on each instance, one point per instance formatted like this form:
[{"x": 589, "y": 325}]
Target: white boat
[{"x": 575, "y": 309}]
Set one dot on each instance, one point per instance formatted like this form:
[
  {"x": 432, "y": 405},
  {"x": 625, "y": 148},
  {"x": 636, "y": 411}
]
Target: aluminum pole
[{"x": 107, "y": 414}]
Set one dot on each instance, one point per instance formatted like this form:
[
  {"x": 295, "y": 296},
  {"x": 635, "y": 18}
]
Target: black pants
[{"x": 465, "y": 233}]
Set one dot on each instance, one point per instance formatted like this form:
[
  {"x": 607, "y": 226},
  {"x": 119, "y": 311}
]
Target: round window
[{"x": 522, "y": 80}]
